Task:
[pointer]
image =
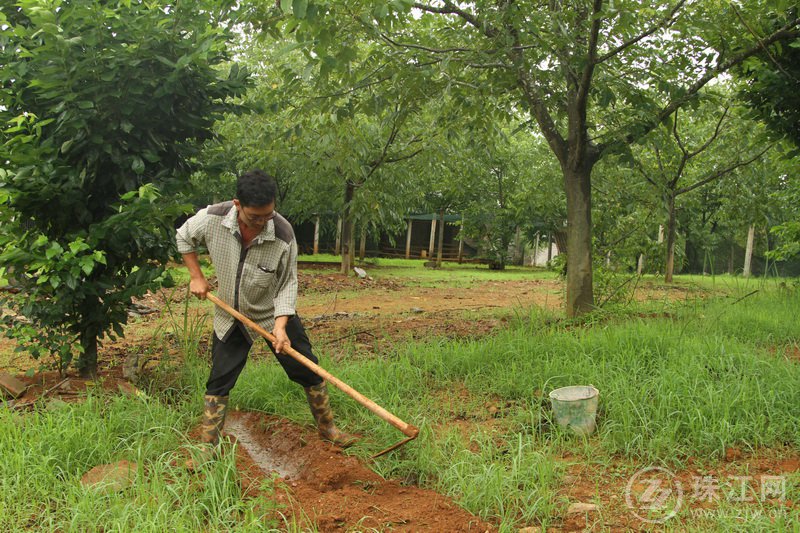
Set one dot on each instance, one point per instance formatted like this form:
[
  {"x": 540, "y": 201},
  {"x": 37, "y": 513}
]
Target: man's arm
[
  {"x": 191, "y": 234},
  {"x": 198, "y": 284},
  {"x": 285, "y": 296}
]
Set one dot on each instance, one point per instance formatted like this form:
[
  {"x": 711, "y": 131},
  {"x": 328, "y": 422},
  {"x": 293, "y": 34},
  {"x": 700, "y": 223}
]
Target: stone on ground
[
  {"x": 581, "y": 508},
  {"x": 11, "y": 386},
  {"x": 112, "y": 477}
]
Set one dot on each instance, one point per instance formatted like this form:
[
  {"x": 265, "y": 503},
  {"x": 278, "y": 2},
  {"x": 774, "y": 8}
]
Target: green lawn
[{"x": 701, "y": 376}]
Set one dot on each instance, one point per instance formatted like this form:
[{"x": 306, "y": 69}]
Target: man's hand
[
  {"x": 199, "y": 287},
  {"x": 198, "y": 284},
  {"x": 279, "y": 331}
]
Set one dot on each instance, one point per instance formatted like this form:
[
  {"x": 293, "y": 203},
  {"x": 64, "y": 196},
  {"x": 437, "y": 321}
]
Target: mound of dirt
[
  {"x": 336, "y": 491},
  {"x": 70, "y": 387}
]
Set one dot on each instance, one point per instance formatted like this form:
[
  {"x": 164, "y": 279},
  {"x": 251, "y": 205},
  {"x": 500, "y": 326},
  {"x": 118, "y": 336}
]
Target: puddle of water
[{"x": 260, "y": 455}]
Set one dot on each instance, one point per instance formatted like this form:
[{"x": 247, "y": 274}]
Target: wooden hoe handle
[{"x": 407, "y": 429}]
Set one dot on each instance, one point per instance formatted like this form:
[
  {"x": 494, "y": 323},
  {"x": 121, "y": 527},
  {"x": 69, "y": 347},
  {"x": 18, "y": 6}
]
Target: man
[{"x": 254, "y": 253}]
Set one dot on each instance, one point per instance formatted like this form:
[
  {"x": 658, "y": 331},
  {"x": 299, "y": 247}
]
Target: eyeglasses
[{"x": 259, "y": 218}]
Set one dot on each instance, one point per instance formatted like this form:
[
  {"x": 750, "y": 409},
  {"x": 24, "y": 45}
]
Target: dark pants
[{"x": 228, "y": 358}]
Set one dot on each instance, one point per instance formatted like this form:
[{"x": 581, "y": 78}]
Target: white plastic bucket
[{"x": 575, "y": 407}]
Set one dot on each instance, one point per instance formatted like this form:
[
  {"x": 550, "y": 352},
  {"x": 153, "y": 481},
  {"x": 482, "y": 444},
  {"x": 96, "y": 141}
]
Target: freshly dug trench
[{"x": 336, "y": 491}]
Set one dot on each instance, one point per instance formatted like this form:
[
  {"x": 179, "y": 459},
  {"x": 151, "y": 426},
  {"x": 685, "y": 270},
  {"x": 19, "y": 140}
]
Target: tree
[
  {"x": 486, "y": 176},
  {"x": 594, "y": 76},
  {"x": 106, "y": 103},
  {"x": 318, "y": 137},
  {"x": 770, "y": 81},
  {"x": 697, "y": 148}
]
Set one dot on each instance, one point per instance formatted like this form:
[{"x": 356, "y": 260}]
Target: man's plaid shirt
[{"x": 259, "y": 281}]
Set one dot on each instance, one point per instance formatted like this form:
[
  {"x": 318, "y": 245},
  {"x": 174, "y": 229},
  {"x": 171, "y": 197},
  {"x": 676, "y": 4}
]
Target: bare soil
[
  {"x": 351, "y": 317},
  {"x": 707, "y": 484},
  {"x": 334, "y": 491}
]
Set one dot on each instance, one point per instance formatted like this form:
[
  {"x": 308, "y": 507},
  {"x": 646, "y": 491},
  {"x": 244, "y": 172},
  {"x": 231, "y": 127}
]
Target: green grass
[
  {"x": 46, "y": 453},
  {"x": 708, "y": 375},
  {"x": 450, "y": 274},
  {"x": 671, "y": 388},
  {"x": 180, "y": 274}
]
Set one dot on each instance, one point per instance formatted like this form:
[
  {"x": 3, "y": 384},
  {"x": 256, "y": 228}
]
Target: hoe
[{"x": 408, "y": 430}]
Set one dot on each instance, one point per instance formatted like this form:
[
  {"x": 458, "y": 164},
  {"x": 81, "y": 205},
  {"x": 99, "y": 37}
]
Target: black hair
[{"x": 256, "y": 188}]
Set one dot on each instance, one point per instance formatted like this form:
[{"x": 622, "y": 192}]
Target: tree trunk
[
  {"x": 671, "y": 230},
  {"x": 561, "y": 241},
  {"x": 580, "y": 296},
  {"x": 549, "y": 247},
  {"x": 347, "y": 229},
  {"x": 461, "y": 241},
  {"x": 535, "y": 251},
  {"x": 441, "y": 241},
  {"x": 337, "y": 248},
  {"x": 518, "y": 259},
  {"x": 432, "y": 241},
  {"x": 408, "y": 239},
  {"x": 316, "y": 236},
  {"x": 352, "y": 246},
  {"x": 730, "y": 260},
  {"x": 362, "y": 248},
  {"x": 748, "y": 252},
  {"x": 640, "y": 265},
  {"x": 87, "y": 362}
]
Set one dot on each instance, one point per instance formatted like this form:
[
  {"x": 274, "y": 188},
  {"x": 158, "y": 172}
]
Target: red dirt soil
[
  {"x": 44, "y": 386},
  {"x": 336, "y": 491},
  {"x": 605, "y": 483},
  {"x": 350, "y": 317}
]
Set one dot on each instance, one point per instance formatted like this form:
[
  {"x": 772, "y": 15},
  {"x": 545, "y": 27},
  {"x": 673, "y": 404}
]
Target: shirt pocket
[{"x": 264, "y": 276}]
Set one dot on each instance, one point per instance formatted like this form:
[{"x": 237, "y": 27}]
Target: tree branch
[
  {"x": 684, "y": 153},
  {"x": 666, "y": 22},
  {"x": 713, "y": 137},
  {"x": 424, "y": 48},
  {"x": 403, "y": 157},
  {"x": 450, "y": 9},
  {"x": 788, "y": 31},
  {"x": 645, "y": 175},
  {"x": 754, "y": 34},
  {"x": 588, "y": 70},
  {"x": 719, "y": 173}
]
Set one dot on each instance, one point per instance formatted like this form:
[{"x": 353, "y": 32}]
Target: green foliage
[
  {"x": 770, "y": 86},
  {"x": 103, "y": 107},
  {"x": 595, "y": 77},
  {"x": 54, "y": 342},
  {"x": 789, "y": 234}
]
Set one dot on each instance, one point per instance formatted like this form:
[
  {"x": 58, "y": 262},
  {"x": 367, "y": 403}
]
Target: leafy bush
[{"x": 108, "y": 104}]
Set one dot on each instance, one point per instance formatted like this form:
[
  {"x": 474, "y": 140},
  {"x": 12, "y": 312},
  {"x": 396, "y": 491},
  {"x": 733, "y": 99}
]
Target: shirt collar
[{"x": 267, "y": 234}]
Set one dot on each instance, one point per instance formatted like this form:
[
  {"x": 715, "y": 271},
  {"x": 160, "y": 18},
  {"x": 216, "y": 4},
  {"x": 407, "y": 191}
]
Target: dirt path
[
  {"x": 371, "y": 321},
  {"x": 336, "y": 492},
  {"x": 480, "y": 296}
]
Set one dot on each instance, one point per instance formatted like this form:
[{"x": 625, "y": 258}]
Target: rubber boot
[
  {"x": 321, "y": 409},
  {"x": 214, "y": 411}
]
